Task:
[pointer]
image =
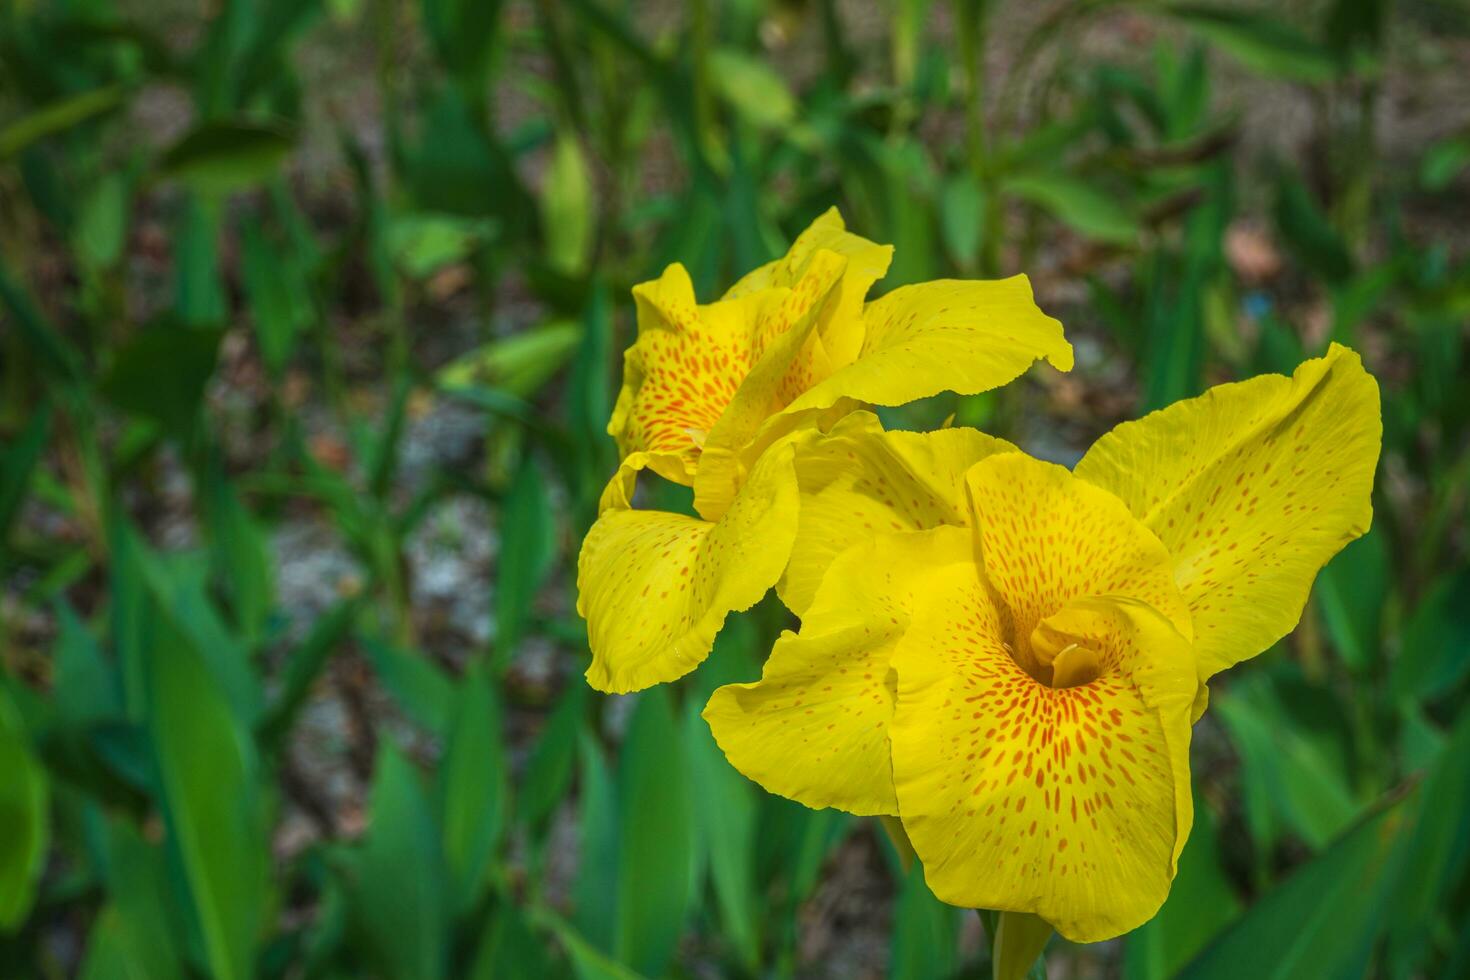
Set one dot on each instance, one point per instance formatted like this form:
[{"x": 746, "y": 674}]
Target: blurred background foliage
[{"x": 311, "y": 314}]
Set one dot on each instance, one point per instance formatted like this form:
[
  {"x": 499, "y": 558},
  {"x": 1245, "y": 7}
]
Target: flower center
[{"x": 1058, "y": 657}]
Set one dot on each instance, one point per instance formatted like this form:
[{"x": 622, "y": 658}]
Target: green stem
[
  {"x": 971, "y": 16},
  {"x": 385, "y": 24},
  {"x": 1020, "y": 938}
]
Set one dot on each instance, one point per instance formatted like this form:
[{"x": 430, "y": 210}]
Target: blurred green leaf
[
  {"x": 85, "y": 685},
  {"x": 117, "y": 951},
  {"x": 210, "y": 799},
  {"x": 401, "y": 902},
  {"x": 1172, "y": 341},
  {"x": 178, "y": 581},
  {"x": 1261, "y": 42},
  {"x": 303, "y": 666},
  {"x": 599, "y": 829},
  {"x": 1185, "y": 81},
  {"x": 908, "y": 32},
  {"x": 1077, "y": 203},
  {"x": 519, "y": 363},
  {"x": 1279, "y": 349},
  {"x": 1287, "y": 774},
  {"x": 57, "y": 117},
  {"x": 725, "y": 812},
  {"x": 655, "y": 856},
  {"x": 134, "y": 937},
  {"x": 458, "y": 167},
  {"x": 1432, "y": 659},
  {"x": 1433, "y": 853},
  {"x": 473, "y": 789},
  {"x": 568, "y": 208},
  {"x": 1308, "y": 232},
  {"x": 55, "y": 353},
  {"x": 1354, "y": 29},
  {"x": 527, "y": 550},
  {"x": 18, "y": 461},
  {"x": 380, "y": 460},
  {"x": 1201, "y": 902},
  {"x": 1042, "y": 146},
  {"x": 1350, "y": 593},
  {"x": 509, "y": 947},
  {"x": 199, "y": 294},
  {"x": 925, "y": 932},
  {"x": 160, "y": 374},
  {"x": 219, "y": 157},
  {"x": 908, "y": 189},
  {"x": 421, "y": 688},
  {"x": 422, "y": 243},
  {"x": 1356, "y": 299},
  {"x": 463, "y": 32},
  {"x": 263, "y": 63},
  {"x": 1420, "y": 740},
  {"x": 129, "y": 621},
  {"x": 793, "y": 841},
  {"x": 1321, "y": 921},
  {"x": 331, "y": 931},
  {"x": 752, "y": 88},
  {"x": 345, "y": 11},
  {"x": 238, "y": 554},
  {"x": 1444, "y": 162},
  {"x": 25, "y": 794},
  {"x": 726, "y": 806},
  {"x": 123, "y": 747},
  {"x": 962, "y": 218},
  {"x": 588, "y": 402},
  {"x": 280, "y": 305},
  {"x": 588, "y": 962},
  {"x": 549, "y": 770},
  {"x": 102, "y": 222}
]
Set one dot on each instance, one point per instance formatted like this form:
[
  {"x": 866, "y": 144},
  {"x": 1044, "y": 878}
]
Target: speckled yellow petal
[
  {"x": 947, "y": 335},
  {"x": 814, "y": 727},
  {"x": 1252, "y": 487},
  {"x": 780, "y": 372},
  {"x": 786, "y": 363},
  {"x": 842, "y": 336},
  {"x": 683, "y": 369},
  {"x": 858, "y": 480},
  {"x": 1046, "y": 538},
  {"x": 1069, "y": 803},
  {"x": 722, "y": 471},
  {"x": 655, "y": 588},
  {"x": 618, "y": 493}
]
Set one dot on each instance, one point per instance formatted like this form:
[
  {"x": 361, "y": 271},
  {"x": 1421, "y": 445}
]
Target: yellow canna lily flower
[
  {"x": 1009, "y": 657},
  {"x": 716, "y": 396}
]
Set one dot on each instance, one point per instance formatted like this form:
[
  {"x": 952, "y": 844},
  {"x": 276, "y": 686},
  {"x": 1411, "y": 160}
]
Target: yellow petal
[
  {"x": 683, "y": 369},
  {"x": 722, "y": 471},
  {"x": 1046, "y": 538},
  {"x": 705, "y": 377},
  {"x": 781, "y": 369},
  {"x": 1067, "y": 803},
  {"x": 947, "y": 335},
  {"x": 655, "y": 588},
  {"x": 618, "y": 494},
  {"x": 814, "y": 727},
  {"x": 1252, "y": 487},
  {"x": 788, "y": 360},
  {"x": 867, "y": 263},
  {"x": 858, "y": 480}
]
